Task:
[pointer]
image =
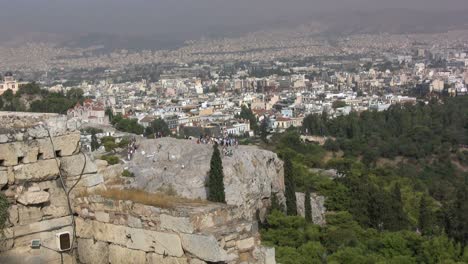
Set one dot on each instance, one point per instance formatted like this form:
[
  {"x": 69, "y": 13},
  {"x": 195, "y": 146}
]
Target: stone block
[
  {"x": 245, "y": 244},
  {"x": 18, "y": 152},
  {"x": 93, "y": 180},
  {"x": 39, "y": 171},
  {"x": 91, "y": 252},
  {"x": 122, "y": 255},
  {"x": 102, "y": 217},
  {"x": 152, "y": 258},
  {"x": 133, "y": 238},
  {"x": 176, "y": 224},
  {"x": 203, "y": 247},
  {"x": 42, "y": 226},
  {"x": 3, "y": 178},
  {"x": 25, "y": 255},
  {"x": 152, "y": 241},
  {"x": 13, "y": 214},
  {"x": 29, "y": 215},
  {"x": 73, "y": 165},
  {"x": 134, "y": 222},
  {"x": 67, "y": 145},
  {"x": 45, "y": 148},
  {"x": 54, "y": 211},
  {"x": 33, "y": 198}
]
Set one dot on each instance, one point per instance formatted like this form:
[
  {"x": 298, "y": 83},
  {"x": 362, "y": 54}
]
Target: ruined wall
[
  {"x": 115, "y": 231},
  {"x": 29, "y": 178},
  {"x": 107, "y": 231}
]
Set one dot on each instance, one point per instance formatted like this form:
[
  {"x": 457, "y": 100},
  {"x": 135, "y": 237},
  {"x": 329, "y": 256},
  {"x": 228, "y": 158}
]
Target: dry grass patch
[{"x": 153, "y": 199}]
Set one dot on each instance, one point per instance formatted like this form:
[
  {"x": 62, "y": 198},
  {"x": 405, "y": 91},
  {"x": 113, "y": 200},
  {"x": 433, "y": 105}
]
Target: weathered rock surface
[
  {"x": 317, "y": 204},
  {"x": 39, "y": 171},
  {"x": 176, "y": 224},
  {"x": 158, "y": 259},
  {"x": 251, "y": 174},
  {"x": 121, "y": 255},
  {"x": 133, "y": 238},
  {"x": 75, "y": 165},
  {"x": 203, "y": 247},
  {"x": 33, "y": 198},
  {"x": 91, "y": 252}
]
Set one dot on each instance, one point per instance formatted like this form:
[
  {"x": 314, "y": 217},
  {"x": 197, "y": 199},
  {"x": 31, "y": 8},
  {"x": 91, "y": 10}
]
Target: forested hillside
[
  {"x": 403, "y": 195},
  {"x": 31, "y": 98}
]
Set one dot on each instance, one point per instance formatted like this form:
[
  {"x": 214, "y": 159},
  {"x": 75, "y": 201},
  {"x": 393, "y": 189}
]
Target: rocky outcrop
[
  {"x": 251, "y": 174},
  {"x": 317, "y": 204}
]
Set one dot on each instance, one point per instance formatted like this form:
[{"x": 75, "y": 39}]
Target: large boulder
[{"x": 251, "y": 174}]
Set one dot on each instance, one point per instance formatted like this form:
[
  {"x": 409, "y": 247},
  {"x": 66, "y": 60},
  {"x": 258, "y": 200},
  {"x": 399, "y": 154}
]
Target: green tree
[
  {"x": 158, "y": 126},
  {"x": 307, "y": 206},
  {"x": 264, "y": 130},
  {"x": 110, "y": 114},
  {"x": 94, "y": 142},
  {"x": 425, "y": 219},
  {"x": 216, "y": 178},
  {"x": 398, "y": 219},
  {"x": 246, "y": 113},
  {"x": 290, "y": 187}
]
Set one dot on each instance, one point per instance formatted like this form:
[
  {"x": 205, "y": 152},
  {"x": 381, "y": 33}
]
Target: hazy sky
[{"x": 159, "y": 16}]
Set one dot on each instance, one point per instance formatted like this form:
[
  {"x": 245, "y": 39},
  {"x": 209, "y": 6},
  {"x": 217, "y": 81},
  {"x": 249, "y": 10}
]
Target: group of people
[
  {"x": 224, "y": 142},
  {"x": 131, "y": 148}
]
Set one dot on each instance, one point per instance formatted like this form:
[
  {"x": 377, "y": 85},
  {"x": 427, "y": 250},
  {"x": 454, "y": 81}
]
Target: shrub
[
  {"x": 112, "y": 160},
  {"x": 127, "y": 173},
  {"x": 4, "y": 204}
]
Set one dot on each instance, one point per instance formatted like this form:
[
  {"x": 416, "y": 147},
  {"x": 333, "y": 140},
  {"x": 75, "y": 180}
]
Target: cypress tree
[
  {"x": 425, "y": 217},
  {"x": 275, "y": 204},
  {"x": 94, "y": 142},
  {"x": 290, "y": 188},
  {"x": 216, "y": 178},
  {"x": 398, "y": 220},
  {"x": 307, "y": 207}
]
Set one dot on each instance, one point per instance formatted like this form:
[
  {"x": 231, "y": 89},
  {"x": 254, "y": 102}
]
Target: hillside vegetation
[
  {"x": 413, "y": 209},
  {"x": 31, "y": 98}
]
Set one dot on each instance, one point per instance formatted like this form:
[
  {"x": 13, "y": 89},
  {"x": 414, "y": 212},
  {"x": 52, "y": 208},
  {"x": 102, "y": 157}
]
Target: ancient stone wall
[
  {"x": 29, "y": 178},
  {"x": 34, "y": 165},
  {"x": 205, "y": 233}
]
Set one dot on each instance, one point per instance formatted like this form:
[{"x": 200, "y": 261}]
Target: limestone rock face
[
  {"x": 251, "y": 174},
  {"x": 32, "y": 198},
  {"x": 317, "y": 203},
  {"x": 203, "y": 247}
]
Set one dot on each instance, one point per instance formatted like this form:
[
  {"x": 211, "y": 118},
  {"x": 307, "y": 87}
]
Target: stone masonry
[{"x": 108, "y": 230}]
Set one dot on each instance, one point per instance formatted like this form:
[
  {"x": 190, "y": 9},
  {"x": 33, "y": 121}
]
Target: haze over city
[{"x": 168, "y": 22}]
